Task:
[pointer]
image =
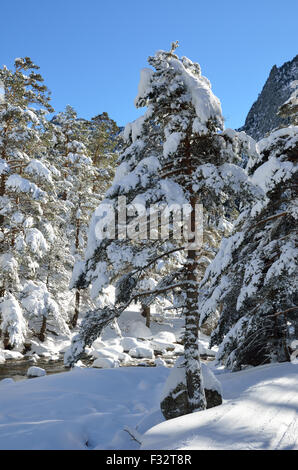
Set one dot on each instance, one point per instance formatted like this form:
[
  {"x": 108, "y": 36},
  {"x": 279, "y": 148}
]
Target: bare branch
[
  {"x": 282, "y": 214},
  {"x": 283, "y": 312}
]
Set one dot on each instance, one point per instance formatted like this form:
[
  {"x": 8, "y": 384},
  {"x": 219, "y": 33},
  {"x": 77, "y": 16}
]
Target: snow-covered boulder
[
  {"x": 2, "y": 358},
  {"x": 129, "y": 342},
  {"x": 35, "y": 372},
  {"x": 46, "y": 354},
  {"x": 11, "y": 354},
  {"x": 107, "y": 351},
  {"x": 139, "y": 330},
  {"x": 79, "y": 365},
  {"x": 98, "y": 344},
  {"x": 204, "y": 351},
  {"x": 111, "y": 353},
  {"x": 105, "y": 363},
  {"x": 162, "y": 347},
  {"x": 32, "y": 360},
  {"x": 160, "y": 362},
  {"x": 165, "y": 336},
  {"x": 179, "y": 349},
  {"x": 7, "y": 381},
  {"x": 174, "y": 401},
  {"x": 142, "y": 352}
]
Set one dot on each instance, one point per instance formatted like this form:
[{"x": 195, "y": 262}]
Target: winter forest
[{"x": 148, "y": 272}]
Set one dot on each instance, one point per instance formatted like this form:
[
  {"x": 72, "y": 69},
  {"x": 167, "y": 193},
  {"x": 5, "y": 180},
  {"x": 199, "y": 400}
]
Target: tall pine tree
[
  {"x": 175, "y": 155},
  {"x": 253, "y": 277}
]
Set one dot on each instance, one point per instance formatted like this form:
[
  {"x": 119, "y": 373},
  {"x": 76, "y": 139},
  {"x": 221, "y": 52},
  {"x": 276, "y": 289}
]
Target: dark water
[{"x": 17, "y": 368}]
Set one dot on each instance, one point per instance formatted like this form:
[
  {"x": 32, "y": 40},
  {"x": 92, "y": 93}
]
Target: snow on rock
[
  {"x": 142, "y": 352},
  {"x": 79, "y": 364},
  {"x": 35, "y": 371},
  {"x": 204, "y": 351},
  {"x": 33, "y": 359},
  {"x": 179, "y": 349},
  {"x": 6, "y": 381},
  {"x": 50, "y": 348},
  {"x": 163, "y": 341},
  {"x": 113, "y": 349},
  {"x": 162, "y": 346},
  {"x": 2, "y": 358},
  {"x": 165, "y": 336},
  {"x": 116, "y": 354},
  {"x": 177, "y": 375},
  {"x": 7, "y": 354},
  {"x": 105, "y": 363},
  {"x": 139, "y": 330},
  {"x": 129, "y": 343},
  {"x": 160, "y": 362},
  {"x": 174, "y": 397},
  {"x": 209, "y": 380}
]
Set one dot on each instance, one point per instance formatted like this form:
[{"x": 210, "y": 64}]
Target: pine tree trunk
[
  {"x": 78, "y": 294},
  {"x": 2, "y": 192},
  {"x": 195, "y": 388},
  {"x": 146, "y": 313},
  {"x": 6, "y": 342},
  {"x": 77, "y": 309},
  {"x": 194, "y": 382},
  {"x": 41, "y": 335}
]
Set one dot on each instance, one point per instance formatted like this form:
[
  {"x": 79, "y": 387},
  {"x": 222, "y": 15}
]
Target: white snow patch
[
  {"x": 35, "y": 371},
  {"x": 142, "y": 352},
  {"x": 259, "y": 413}
]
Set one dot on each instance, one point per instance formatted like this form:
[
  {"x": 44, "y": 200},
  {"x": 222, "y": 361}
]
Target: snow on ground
[
  {"x": 81, "y": 409},
  {"x": 259, "y": 412},
  {"x": 90, "y": 408}
]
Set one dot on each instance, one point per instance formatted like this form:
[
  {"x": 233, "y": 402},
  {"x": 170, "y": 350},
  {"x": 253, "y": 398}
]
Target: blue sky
[{"x": 91, "y": 51}]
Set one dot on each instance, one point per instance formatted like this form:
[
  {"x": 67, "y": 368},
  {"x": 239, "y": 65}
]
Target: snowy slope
[
  {"x": 81, "y": 409},
  {"x": 259, "y": 412},
  {"x": 89, "y": 409}
]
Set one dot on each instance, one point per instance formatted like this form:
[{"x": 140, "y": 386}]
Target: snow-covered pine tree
[
  {"x": 86, "y": 151},
  {"x": 253, "y": 276},
  {"x": 26, "y": 196},
  {"x": 103, "y": 146},
  {"x": 76, "y": 186},
  {"x": 175, "y": 154}
]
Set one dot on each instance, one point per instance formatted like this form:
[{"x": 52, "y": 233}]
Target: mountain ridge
[{"x": 262, "y": 117}]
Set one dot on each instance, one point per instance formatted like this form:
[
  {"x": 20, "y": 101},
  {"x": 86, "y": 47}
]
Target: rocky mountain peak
[{"x": 262, "y": 117}]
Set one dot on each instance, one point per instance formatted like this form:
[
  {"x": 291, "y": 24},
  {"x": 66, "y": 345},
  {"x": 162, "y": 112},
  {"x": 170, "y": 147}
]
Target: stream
[{"x": 17, "y": 368}]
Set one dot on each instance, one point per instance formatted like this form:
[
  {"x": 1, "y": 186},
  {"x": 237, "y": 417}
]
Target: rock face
[
  {"x": 262, "y": 117},
  {"x": 174, "y": 396}
]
